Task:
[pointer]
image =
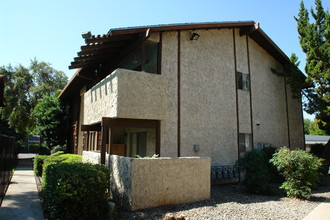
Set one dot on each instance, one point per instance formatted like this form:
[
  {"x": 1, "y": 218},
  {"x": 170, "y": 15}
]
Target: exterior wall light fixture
[
  {"x": 86, "y": 34},
  {"x": 194, "y": 36},
  {"x": 258, "y": 123},
  {"x": 196, "y": 148}
]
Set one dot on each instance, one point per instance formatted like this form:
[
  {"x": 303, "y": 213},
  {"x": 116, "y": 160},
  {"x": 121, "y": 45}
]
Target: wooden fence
[{"x": 7, "y": 163}]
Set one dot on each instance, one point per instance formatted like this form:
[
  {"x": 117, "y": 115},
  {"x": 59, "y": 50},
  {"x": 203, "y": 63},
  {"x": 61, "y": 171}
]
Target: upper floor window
[
  {"x": 243, "y": 81},
  {"x": 144, "y": 58}
]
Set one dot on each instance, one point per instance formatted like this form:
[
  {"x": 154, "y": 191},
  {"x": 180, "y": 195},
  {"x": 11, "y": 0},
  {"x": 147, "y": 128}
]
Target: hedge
[
  {"x": 40, "y": 162},
  {"x": 75, "y": 191},
  {"x": 37, "y": 164}
]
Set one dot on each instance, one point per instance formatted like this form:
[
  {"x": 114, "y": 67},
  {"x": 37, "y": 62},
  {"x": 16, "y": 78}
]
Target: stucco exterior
[
  {"x": 151, "y": 182},
  {"x": 126, "y": 94},
  {"x": 208, "y": 96},
  {"x": 208, "y": 117},
  {"x": 268, "y": 98},
  {"x": 195, "y": 97},
  {"x": 169, "y": 69}
]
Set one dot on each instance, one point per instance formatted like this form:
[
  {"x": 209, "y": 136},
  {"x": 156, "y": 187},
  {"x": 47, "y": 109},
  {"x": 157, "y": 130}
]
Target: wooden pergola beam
[
  {"x": 106, "y": 39},
  {"x": 101, "y": 46}
]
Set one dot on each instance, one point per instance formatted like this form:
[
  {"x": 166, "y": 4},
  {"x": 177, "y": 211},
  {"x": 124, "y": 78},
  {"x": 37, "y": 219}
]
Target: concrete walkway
[
  {"x": 22, "y": 200},
  {"x": 321, "y": 212}
]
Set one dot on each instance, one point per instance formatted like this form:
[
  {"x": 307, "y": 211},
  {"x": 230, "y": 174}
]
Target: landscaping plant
[
  {"x": 300, "y": 171},
  {"x": 256, "y": 173},
  {"x": 58, "y": 148},
  {"x": 42, "y": 161},
  {"x": 38, "y": 161},
  {"x": 76, "y": 191}
]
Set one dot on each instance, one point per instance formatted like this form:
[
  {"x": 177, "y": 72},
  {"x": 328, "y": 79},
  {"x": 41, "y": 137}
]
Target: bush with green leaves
[
  {"x": 60, "y": 157},
  {"x": 41, "y": 161},
  {"x": 37, "y": 164},
  {"x": 300, "y": 170},
  {"x": 58, "y": 148},
  {"x": 76, "y": 191},
  {"x": 256, "y": 173}
]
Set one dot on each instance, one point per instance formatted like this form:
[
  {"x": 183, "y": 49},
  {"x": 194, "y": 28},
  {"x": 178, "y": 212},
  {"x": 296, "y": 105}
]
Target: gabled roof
[{"x": 110, "y": 48}]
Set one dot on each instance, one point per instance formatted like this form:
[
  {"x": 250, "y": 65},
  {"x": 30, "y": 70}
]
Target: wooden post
[{"x": 104, "y": 140}]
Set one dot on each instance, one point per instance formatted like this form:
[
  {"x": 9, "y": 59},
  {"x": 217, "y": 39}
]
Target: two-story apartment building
[{"x": 204, "y": 89}]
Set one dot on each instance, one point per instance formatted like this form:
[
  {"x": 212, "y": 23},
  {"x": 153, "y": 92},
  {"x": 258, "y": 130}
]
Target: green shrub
[
  {"x": 300, "y": 171},
  {"x": 76, "y": 191},
  {"x": 58, "y": 148},
  {"x": 41, "y": 161},
  {"x": 256, "y": 174},
  {"x": 33, "y": 148},
  {"x": 60, "y": 157},
  {"x": 37, "y": 164}
]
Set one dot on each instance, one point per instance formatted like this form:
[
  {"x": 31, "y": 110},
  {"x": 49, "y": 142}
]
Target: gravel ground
[{"x": 229, "y": 202}]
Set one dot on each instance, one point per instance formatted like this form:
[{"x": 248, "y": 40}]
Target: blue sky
[{"x": 51, "y": 30}]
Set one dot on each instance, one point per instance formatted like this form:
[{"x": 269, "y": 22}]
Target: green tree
[
  {"x": 46, "y": 79},
  {"x": 50, "y": 117},
  {"x": 23, "y": 88},
  {"x": 314, "y": 128},
  {"x": 17, "y": 98},
  {"x": 314, "y": 36},
  {"x": 307, "y": 123}
]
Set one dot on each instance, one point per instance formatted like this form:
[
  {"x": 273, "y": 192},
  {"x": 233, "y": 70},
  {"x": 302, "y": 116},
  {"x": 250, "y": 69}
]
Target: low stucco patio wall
[{"x": 139, "y": 183}]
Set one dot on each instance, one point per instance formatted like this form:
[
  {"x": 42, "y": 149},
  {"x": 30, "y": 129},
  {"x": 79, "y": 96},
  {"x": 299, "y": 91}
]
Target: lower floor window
[{"x": 245, "y": 142}]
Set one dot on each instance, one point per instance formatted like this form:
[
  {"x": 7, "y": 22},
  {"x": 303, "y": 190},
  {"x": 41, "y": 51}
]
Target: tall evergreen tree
[{"x": 314, "y": 36}]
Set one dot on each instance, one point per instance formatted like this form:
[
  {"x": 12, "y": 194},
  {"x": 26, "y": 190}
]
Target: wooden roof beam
[
  {"x": 248, "y": 29},
  {"x": 107, "y": 39},
  {"x": 103, "y": 46},
  {"x": 106, "y": 50},
  {"x": 93, "y": 57},
  {"x": 82, "y": 64}
]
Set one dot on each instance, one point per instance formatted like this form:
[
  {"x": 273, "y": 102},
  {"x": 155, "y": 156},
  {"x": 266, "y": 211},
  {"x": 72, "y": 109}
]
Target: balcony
[{"x": 126, "y": 94}]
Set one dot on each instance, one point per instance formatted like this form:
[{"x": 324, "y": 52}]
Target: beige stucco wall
[
  {"x": 208, "y": 105},
  {"x": 126, "y": 94},
  {"x": 151, "y": 182},
  {"x": 141, "y": 95},
  {"x": 167, "y": 181},
  {"x": 296, "y": 121},
  {"x": 208, "y": 96},
  {"x": 268, "y": 98},
  {"x": 242, "y": 65},
  {"x": 169, "y": 126}
]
